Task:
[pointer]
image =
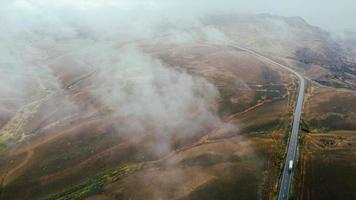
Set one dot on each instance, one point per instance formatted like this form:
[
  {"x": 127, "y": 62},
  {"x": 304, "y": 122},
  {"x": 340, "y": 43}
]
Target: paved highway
[{"x": 287, "y": 175}]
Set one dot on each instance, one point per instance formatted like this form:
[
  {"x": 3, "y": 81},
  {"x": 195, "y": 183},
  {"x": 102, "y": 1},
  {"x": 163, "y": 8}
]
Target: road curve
[{"x": 286, "y": 177}]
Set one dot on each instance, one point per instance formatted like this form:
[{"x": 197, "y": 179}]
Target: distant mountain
[{"x": 323, "y": 58}]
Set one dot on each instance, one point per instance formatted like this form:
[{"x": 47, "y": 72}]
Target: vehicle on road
[{"x": 290, "y": 166}]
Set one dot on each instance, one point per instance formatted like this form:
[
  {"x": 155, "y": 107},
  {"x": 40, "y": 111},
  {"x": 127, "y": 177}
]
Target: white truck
[{"x": 290, "y": 166}]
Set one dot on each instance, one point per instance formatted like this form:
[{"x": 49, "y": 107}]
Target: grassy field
[
  {"x": 90, "y": 156},
  {"x": 327, "y": 165},
  {"x": 327, "y": 153},
  {"x": 242, "y": 168},
  {"x": 225, "y": 165}
]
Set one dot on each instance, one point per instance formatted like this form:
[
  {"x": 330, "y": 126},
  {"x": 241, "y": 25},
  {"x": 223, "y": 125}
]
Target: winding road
[{"x": 286, "y": 178}]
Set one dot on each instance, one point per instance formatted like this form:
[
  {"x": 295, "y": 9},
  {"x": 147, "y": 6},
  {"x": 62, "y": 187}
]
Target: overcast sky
[{"x": 332, "y": 15}]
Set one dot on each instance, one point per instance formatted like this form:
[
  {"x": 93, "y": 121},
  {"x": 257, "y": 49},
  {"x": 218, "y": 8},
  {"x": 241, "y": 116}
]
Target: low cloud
[
  {"x": 47, "y": 42},
  {"x": 149, "y": 96}
]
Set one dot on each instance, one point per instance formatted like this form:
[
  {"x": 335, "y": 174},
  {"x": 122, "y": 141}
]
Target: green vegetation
[
  {"x": 96, "y": 184},
  {"x": 2, "y": 146},
  {"x": 226, "y": 106},
  {"x": 304, "y": 126}
]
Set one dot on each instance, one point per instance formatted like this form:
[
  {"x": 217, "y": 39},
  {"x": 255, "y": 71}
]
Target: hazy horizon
[{"x": 333, "y": 16}]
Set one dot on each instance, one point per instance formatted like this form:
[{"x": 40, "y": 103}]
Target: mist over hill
[{"x": 153, "y": 100}]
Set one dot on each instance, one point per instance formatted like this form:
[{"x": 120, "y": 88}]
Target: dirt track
[{"x": 30, "y": 148}]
